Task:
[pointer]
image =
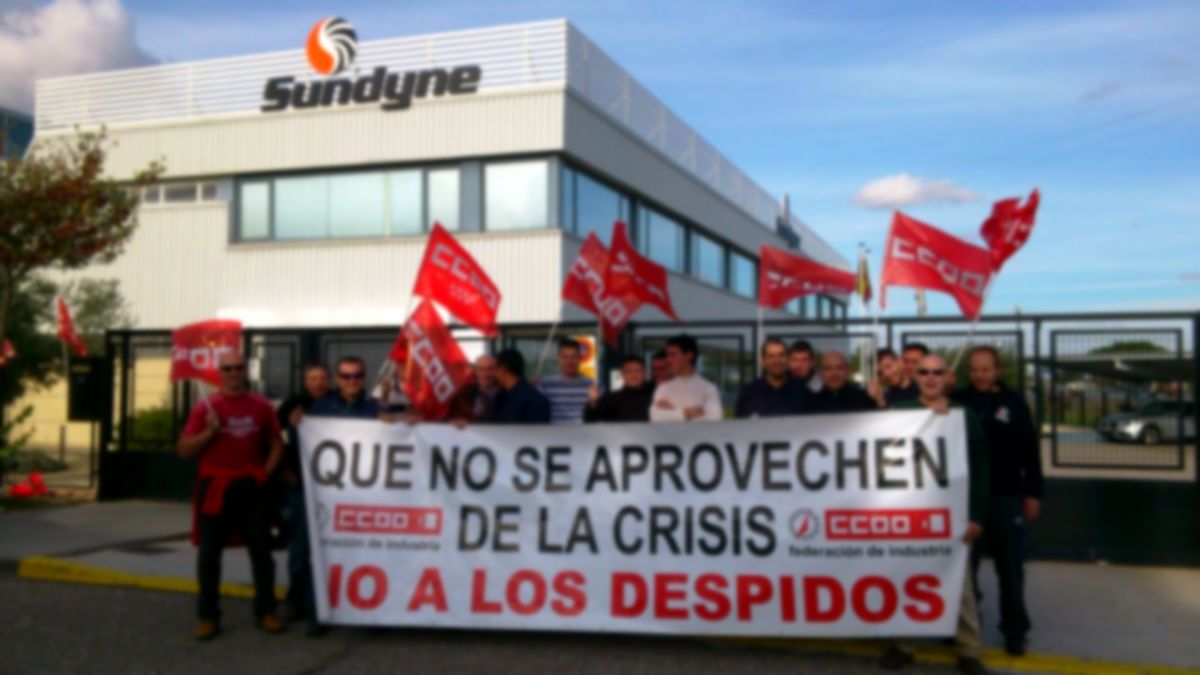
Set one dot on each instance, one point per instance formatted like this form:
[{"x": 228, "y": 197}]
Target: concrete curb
[{"x": 56, "y": 569}]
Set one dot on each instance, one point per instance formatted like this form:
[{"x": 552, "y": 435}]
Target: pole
[
  {"x": 758, "y": 338},
  {"x": 546, "y": 349}
]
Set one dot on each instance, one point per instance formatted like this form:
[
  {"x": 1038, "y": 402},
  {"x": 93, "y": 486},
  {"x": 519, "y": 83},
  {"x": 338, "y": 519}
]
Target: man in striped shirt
[{"x": 567, "y": 391}]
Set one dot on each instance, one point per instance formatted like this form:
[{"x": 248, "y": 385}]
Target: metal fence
[{"x": 1113, "y": 396}]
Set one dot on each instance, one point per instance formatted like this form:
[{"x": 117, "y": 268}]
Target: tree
[
  {"x": 96, "y": 306},
  {"x": 1121, "y": 347},
  {"x": 57, "y": 209},
  {"x": 31, "y": 318}
]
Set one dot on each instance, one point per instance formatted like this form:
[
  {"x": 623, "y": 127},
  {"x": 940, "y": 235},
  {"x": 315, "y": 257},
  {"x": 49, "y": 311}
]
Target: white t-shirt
[{"x": 686, "y": 392}]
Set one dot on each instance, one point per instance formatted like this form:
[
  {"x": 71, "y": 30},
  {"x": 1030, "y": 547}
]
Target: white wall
[{"x": 179, "y": 267}]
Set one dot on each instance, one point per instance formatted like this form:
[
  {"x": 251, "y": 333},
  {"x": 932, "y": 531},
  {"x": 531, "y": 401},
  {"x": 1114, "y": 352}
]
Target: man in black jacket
[
  {"x": 776, "y": 392},
  {"x": 300, "y": 600},
  {"x": 631, "y": 403},
  {"x": 1016, "y": 485},
  {"x": 518, "y": 402},
  {"x": 838, "y": 393}
]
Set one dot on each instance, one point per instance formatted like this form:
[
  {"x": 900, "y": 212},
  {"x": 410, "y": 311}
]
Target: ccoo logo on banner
[{"x": 832, "y": 525}]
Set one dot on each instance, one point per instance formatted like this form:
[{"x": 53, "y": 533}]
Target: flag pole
[
  {"x": 601, "y": 381},
  {"x": 758, "y": 347}
]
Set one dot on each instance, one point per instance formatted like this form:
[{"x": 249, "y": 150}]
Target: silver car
[{"x": 1156, "y": 422}]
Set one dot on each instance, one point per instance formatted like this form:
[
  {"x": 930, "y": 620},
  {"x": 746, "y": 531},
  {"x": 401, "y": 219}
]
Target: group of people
[{"x": 243, "y": 443}]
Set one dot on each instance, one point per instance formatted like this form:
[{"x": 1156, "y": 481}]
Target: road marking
[{"x": 57, "y": 569}]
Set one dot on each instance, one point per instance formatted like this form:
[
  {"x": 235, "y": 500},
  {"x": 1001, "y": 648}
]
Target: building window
[
  {"x": 662, "y": 240},
  {"x": 254, "y": 210},
  {"x": 443, "y": 197},
  {"x": 151, "y": 194},
  {"x": 743, "y": 275},
  {"x": 406, "y": 205},
  {"x": 357, "y": 203},
  {"x": 346, "y": 204},
  {"x": 597, "y": 207},
  {"x": 301, "y": 207},
  {"x": 516, "y": 195},
  {"x": 708, "y": 260},
  {"x": 185, "y": 192},
  {"x": 208, "y": 192}
]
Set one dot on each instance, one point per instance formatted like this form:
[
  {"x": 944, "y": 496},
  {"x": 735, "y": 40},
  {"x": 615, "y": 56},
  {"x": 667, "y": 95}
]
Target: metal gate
[{"x": 1113, "y": 395}]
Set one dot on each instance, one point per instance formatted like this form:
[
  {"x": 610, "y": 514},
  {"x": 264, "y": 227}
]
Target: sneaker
[
  {"x": 969, "y": 665},
  {"x": 269, "y": 623},
  {"x": 206, "y": 630},
  {"x": 895, "y": 659},
  {"x": 1015, "y": 646}
]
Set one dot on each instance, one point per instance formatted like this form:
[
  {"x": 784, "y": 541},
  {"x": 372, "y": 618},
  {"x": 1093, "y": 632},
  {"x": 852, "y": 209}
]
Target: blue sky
[{"x": 1096, "y": 103}]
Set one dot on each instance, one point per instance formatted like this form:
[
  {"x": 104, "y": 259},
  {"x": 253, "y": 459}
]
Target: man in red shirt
[{"x": 236, "y": 437}]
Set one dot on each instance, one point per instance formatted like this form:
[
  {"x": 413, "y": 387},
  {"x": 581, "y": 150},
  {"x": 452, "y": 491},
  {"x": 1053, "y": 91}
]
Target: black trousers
[
  {"x": 245, "y": 511},
  {"x": 1005, "y": 541}
]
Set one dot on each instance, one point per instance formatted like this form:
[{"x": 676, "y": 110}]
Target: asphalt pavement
[{"x": 50, "y": 628}]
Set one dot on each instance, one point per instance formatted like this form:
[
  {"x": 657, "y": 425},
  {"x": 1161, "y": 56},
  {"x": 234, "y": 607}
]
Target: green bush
[{"x": 152, "y": 429}]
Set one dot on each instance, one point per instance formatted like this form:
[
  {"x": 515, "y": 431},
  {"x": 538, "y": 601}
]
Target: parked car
[{"x": 1154, "y": 423}]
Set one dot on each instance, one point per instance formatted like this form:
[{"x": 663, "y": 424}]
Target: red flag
[
  {"x": 66, "y": 330},
  {"x": 922, "y": 256},
  {"x": 783, "y": 276},
  {"x": 631, "y": 275},
  {"x": 1009, "y": 227},
  {"x": 585, "y": 287},
  {"x": 7, "y": 353},
  {"x": 198, "y": 347},
  {"x": 399, "y": 353},
  {"x": 438, "y": 366},
  {"x": 451, "y": 276}
]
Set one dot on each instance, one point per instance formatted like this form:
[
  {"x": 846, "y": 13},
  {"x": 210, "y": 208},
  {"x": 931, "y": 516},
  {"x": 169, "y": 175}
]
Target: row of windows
[
  {"x": 591, "y": 206},
  {"x": 494, "y": 196},
  {"x": 351, "y": 204},
  {"x": 178, "y": 193}
]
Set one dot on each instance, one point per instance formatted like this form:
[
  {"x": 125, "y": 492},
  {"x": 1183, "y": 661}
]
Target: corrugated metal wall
[
  {"x": 179, "y": 268},
  {"x": 520, "y": 121}
]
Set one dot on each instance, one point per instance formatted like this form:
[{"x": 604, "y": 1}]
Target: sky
[{"x": 851, "y": 108}]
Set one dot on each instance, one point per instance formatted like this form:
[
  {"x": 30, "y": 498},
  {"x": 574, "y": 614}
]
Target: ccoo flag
[
  {"x": 585, "y": 287},
  {"x": 783, "y": 276},
  {"x": 631, "y": 275},
  {"x": 921, "y": 256},
  {"x": 1009, "y": 227},
  {"x": 449, "y": 275},
  {"x": 435, "y": 367},
  {"x": 198, "y": 347}
]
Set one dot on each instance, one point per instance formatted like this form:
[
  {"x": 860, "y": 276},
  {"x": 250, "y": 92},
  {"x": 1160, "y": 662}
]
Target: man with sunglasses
[
  {"x": 931, "y": 380},
  {"x": 237, "y": 439},
  {"x": 350, "y": 398}
]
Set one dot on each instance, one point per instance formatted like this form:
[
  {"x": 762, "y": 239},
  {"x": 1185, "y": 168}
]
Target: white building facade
[{"x": 300, "y": 202}]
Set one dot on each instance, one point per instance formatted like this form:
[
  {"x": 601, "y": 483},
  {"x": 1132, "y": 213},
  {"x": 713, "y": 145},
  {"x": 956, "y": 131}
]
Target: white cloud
[
  {"x": 892, "y": 192},
  {"x": 64, "y": 37}
]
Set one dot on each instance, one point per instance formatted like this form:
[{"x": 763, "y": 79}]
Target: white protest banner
[{"x": 829, "y": 525}]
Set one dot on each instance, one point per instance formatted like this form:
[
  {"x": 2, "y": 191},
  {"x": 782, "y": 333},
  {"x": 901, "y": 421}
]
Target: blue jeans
[{"x": 301, "y": 594}]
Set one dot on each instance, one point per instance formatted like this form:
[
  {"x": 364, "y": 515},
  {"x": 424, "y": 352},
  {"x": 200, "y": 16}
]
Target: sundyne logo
[{"x": 331, "y": 48}]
